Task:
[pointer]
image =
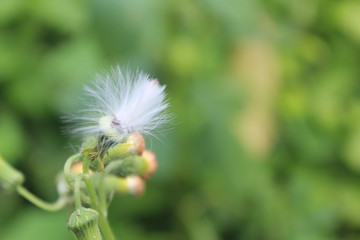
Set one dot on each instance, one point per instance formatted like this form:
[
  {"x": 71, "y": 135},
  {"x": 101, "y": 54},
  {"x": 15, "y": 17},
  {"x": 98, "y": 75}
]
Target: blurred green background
[{"x": 266, "y": 139}]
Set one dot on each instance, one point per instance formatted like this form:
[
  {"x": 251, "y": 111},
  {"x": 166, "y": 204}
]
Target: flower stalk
[{"x": 52, "y": 207}]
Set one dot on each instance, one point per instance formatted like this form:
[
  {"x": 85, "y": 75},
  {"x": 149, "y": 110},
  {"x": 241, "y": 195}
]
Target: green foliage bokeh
[{"x": 265, "y": 143}]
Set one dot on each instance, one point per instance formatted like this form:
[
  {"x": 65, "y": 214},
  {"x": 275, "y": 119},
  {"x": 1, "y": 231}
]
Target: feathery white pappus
[{"x": 121, "y": 103}]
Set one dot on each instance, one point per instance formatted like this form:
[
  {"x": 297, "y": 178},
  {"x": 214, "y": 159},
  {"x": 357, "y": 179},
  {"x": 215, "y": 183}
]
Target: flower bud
[
  {"x": 84, "y": 224},
  {"x": 144, "y": 165},
  {"x": 9, "y": 176},
  {"x": 134, "y": 145},
  {"x": 132, "y": 185},
  {"x": 150, "y": 163}
]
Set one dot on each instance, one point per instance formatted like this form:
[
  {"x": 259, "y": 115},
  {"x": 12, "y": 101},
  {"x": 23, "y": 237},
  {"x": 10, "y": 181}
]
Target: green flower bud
[
  {"x": 125, "y": 169},
  {"x": 144, "y": 165},
  {"x": 84, "y": 222},
  {"x": 134, "y": 145},
  {"x": 150, "y": 164},
  {"x": 132, "y": 185},
  {"x": 140, "y": 165},
  {"x": 9, "y": 176},
  {"x": 135, "y": 165}
]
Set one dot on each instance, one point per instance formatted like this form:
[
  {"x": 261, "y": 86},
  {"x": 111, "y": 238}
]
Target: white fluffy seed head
[{"x": 121, "y": 103}]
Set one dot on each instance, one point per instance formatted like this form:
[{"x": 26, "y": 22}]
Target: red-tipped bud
[
  {"x": 151, "y": 163},
  {"x": 137, "y": 143},
  {"x": 134, "y": 145},
  {"x": 133, "y": 185}
]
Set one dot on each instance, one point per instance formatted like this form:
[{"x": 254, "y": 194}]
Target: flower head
[{"x": 121, "y": 103}]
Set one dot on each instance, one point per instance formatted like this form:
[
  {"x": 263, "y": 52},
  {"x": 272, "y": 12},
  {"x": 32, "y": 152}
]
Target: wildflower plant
[{"x": 121, "y": 107}]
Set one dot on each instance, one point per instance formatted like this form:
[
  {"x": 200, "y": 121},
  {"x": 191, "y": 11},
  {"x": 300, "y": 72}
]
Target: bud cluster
[{"x": 128, "y": 163}]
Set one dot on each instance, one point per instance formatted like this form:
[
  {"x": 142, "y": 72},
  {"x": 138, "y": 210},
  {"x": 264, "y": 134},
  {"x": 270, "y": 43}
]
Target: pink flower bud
[
  {"x": 135, "y": 185},
  {"x": 137, "y": 142},
  {"x": 151, "y": 163}
]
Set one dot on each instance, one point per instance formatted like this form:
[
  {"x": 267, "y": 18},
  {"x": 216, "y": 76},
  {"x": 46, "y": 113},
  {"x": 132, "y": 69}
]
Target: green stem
[
  {"x": 77, "y": 192},
  {"x": 86, "y": 165},
  {"x": 102, "y": 192},
  {"x": 92, "y": 193},
  {"x": 59, "y": 204},
  {"x": 94, "y": 203},
  {"x": 89, "y": 185},
  {"x": 67, "y": 169},
  {"x": 103, "y": 222},
  {"x": 69, "y": 177},
  {"x": 105, "y": 227}
]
